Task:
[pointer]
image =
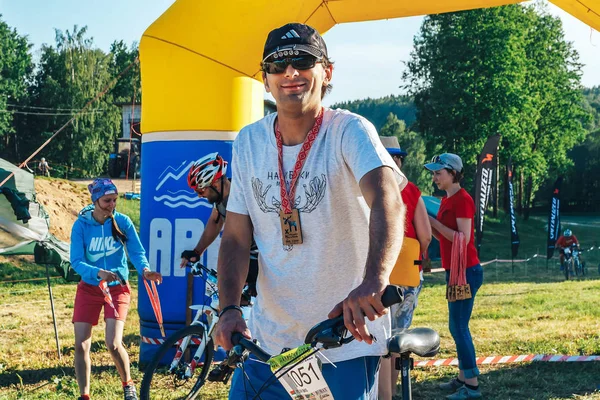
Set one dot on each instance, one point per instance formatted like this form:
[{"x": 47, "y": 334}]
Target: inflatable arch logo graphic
[{"x": 169, "y": 190}]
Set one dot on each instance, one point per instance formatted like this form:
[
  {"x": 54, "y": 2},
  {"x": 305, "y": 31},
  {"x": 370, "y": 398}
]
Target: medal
[
  {"x": 290, "y": 227},
  {"x": 291, "y": 231}
]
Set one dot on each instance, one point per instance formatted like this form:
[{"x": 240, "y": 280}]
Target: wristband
[{"x": 232, "y": 307}]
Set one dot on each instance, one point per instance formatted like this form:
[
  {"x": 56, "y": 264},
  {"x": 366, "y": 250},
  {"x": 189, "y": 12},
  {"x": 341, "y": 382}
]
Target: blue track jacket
[{"x": 93, "y": 247}]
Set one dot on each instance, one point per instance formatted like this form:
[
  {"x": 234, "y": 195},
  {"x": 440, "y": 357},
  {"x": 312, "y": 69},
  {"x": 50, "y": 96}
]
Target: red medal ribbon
[
  {"x": 155, "y": 303},
  {"x": 107, "y": 296},
  {"x": 288, "y": 199}
]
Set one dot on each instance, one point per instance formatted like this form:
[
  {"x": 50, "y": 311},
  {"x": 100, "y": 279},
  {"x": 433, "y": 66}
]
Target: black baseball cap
[{"x": 293, "y": 38}]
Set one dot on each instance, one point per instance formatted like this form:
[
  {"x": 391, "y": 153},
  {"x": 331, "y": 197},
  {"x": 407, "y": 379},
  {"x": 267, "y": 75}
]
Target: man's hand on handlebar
[
  {"x": 363, "y": 301},
  {"x": 231, "y": 321},
  {"x": 189, "y": 256}
]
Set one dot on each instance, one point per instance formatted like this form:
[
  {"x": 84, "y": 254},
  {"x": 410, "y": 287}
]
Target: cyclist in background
[
  {"x": 207, "y": 178},
  {"x": 566, "y": 240}
]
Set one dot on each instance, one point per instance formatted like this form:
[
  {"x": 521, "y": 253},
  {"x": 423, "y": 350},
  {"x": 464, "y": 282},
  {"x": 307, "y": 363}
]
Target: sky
[{"x": 368, "y": 55}]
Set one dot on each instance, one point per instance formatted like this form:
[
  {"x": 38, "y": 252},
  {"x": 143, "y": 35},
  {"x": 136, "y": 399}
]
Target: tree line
[
  {"x": 37, "y": 98},
  {"x": 505, "y": 70}
]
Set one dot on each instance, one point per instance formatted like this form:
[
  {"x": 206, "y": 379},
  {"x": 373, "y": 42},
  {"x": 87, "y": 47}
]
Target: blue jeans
[
  {"x": 354, "y": 379},
  {"x": 402, "y": 314},
  {"x": 460, "y": 315}
]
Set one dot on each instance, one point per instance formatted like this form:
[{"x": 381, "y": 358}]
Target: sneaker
[
  {"x": 129, "y": 392},
  {"x": 451, "y": 386},
  {"x": 464, "y": 393}
]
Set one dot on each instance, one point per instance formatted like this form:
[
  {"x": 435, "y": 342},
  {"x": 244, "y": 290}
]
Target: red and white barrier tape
[
  {"x": 521, "y": 260},
  {"x": 508, "y": 360},
  {"x": 160, "y": 341}
]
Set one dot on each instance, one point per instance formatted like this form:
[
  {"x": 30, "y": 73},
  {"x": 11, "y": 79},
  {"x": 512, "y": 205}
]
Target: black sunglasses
[{"x": 300, "y": 63}]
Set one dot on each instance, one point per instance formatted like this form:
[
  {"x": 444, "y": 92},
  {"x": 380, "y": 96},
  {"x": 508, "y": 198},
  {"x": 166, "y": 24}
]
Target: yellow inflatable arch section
[
  {"x": 200, "y": 59},
  {"x": 201, "y": 84}
]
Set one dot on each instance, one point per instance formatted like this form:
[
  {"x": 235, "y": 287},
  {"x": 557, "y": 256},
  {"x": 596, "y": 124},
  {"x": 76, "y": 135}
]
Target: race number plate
[{"x": 303, "y": 380}]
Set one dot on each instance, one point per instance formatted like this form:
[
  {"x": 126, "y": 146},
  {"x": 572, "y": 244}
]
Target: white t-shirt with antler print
[{"x": 298, "y": 285}]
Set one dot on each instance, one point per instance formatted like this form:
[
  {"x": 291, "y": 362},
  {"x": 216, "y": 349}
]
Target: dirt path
[
  {"x": 123, "y": 185},
  {"x": 63, "y": 200}
]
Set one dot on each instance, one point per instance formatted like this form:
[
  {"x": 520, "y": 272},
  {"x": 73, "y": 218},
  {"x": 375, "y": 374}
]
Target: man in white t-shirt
[{"x": 322, "y": 197}]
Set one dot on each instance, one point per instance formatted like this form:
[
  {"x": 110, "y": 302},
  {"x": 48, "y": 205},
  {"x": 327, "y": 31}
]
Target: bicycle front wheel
[{"x": 174, "y": 381}]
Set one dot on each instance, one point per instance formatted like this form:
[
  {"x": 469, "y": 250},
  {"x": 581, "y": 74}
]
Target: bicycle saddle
[{"x": 423, "y": 342}]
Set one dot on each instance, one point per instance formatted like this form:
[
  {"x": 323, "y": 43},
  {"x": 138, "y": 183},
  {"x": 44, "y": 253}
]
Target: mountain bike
[
  {"x": 578, "y": 265},
  {"x": 188, "y": 369},
  {"x": 568, "y": 263},
  {"x": 297, "y": 371}
]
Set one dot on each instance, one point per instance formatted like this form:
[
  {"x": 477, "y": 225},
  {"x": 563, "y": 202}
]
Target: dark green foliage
[
  {"x": 15, "y": 71},
  {"x": 414, "y": 145},
  {"x": 129, "y": 83},
  {"x": 581, "y": 187},
  {"x": 377, "y": 110},
  {"x": 69, "y": 75},
  {"x": 504, "y": 70}
]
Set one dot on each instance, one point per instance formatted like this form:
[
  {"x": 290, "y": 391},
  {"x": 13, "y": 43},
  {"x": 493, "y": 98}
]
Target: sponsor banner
[
  {"x": 554, "y": 218},
  {"x": 486, "y": 165},
  {"x": 514, "y": 234}
]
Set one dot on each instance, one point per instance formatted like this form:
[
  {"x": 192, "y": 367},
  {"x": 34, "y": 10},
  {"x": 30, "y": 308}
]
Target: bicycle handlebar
[
  {"x": 392, "y": 295},
  {"x": 239, "y": 339},
  {"x": 330, "y": 333},
  {"x": 197, "y": 268}
]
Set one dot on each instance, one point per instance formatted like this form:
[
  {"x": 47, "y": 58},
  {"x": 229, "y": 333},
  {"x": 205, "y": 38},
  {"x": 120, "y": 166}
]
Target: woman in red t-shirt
[{"x": 457, "y": 213}]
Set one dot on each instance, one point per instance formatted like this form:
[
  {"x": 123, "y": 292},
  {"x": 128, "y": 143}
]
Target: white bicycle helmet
[
  {"x": 206, "y": 170},
  {"x": 567, "y": 233}
]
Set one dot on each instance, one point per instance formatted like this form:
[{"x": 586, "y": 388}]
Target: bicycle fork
[{"x": 191, "y": 368}]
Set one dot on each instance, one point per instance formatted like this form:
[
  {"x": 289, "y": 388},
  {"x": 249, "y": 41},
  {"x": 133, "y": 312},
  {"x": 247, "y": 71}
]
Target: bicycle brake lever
[
  {"x": 330, "y": 333},
  {"x": 236, "y": 356}
]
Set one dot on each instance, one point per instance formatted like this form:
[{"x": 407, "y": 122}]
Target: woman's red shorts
[{"x": 89, "y": 300}]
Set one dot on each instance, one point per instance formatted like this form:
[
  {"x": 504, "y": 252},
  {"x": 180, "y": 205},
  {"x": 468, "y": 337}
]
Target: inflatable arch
[{"x": 202, "y": 83}]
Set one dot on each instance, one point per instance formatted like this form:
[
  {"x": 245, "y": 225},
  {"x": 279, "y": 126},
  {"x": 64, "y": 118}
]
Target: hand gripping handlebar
[{"x": 331, "y": 333}]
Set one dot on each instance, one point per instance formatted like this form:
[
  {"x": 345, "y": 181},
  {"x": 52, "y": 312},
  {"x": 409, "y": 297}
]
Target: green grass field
[{"x": 528, "y": 309}]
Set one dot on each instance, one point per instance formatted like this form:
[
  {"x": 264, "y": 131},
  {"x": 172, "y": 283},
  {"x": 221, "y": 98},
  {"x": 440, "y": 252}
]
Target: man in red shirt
[
  {"x": 566, "y": 240},
  {"x": 417, "y": 227}
]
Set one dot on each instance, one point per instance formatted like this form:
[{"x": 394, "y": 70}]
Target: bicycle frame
[{"x": 212, "y": 314}]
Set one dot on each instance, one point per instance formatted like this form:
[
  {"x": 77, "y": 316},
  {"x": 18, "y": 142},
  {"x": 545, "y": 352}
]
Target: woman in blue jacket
[{"x": 101, "y": 240}]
